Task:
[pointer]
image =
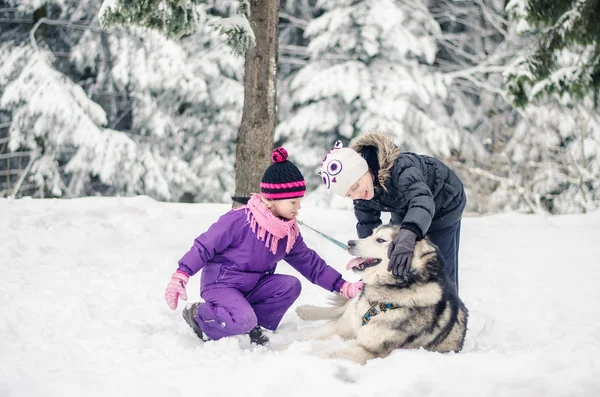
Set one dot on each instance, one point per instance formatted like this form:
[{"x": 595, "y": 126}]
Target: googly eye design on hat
[
  {"x": 341, "y": 168},
  {"x": 333, "y": 167}
]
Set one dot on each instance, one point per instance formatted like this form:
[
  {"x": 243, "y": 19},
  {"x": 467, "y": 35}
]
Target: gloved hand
[
  {"x": 400, "y": 252},
  {"x": 176, "y": 289},
  {"x": 350, "y": 290}
]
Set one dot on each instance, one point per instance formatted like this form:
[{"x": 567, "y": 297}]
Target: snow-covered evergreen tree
[
  {"x": 255, "y": 135},
  {"x": 185, "y": 100},
  {"x": 54, "y": 118},
  {"x": 173, "y": 101},
  {"x": 567, "y": 58},
  {"x": 142, "y": 114},
  {"x": 172, "y": 18},
  {"x": 553, "y": 161},
  {"x": 176, "y": 18},
  {"x": 369, "y": 69},
  {"x": 550, "y": 159}
]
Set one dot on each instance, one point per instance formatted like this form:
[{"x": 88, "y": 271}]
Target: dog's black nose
[{"x": 351, "y": 243}]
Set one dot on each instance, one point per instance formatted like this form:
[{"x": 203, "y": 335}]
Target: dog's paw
[
  {"x": 355, "y": 354},
  {"x": 306, "y": 312}
]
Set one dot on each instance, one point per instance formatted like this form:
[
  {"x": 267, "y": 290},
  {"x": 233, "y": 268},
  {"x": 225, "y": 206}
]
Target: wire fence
[{"x": 12, "y": 167}]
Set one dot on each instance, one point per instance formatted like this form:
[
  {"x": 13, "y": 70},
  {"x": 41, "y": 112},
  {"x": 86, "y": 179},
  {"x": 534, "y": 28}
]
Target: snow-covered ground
[{"x": 82, "y": 311}]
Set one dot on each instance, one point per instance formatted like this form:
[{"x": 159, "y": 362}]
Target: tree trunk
[{"x": 257, "y": 129}]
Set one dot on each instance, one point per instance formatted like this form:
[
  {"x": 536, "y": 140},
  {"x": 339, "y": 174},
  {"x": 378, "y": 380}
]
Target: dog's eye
[{"x": 380, "y": 240}]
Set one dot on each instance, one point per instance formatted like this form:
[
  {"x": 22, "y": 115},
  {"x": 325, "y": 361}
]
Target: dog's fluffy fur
[{"x": 430, "y": 314}]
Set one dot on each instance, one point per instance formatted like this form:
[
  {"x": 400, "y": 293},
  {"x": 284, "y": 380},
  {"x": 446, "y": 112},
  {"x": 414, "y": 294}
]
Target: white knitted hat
[{"x": 341, "y": 168}]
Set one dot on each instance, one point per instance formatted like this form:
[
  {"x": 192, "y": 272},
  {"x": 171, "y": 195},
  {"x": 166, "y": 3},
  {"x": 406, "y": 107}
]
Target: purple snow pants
[{"x": 228, "y": 311}]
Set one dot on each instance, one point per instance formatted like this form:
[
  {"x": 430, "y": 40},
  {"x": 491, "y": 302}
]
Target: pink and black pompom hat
[{"x": 282, "y": 180}]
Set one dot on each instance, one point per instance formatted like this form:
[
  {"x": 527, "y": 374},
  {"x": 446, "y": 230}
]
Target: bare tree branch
[
  {"x": 16, "y": 20},
  {"x": 294, "y": 50},
  {"x": 473, "y": 58},
  {"x": 536, "y": 209},
  {"x": 55, "y": 22},
  {"x": 285, "y": 60},
  {"x": 490, "y": 18},
  {"x": 301, "y": 23},
  {"x": 482, "y": 68}
]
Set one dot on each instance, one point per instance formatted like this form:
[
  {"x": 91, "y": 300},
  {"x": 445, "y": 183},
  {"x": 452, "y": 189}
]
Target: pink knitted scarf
[{"x": 270, "y": 228}]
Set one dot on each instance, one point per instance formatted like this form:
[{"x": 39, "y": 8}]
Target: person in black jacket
[{"x": 423, "y": 195}]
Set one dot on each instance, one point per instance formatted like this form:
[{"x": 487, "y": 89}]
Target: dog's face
[{"x": 372, "y": 256}]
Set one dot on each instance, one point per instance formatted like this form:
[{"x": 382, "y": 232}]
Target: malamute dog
[{"x": 423, "y": 311}]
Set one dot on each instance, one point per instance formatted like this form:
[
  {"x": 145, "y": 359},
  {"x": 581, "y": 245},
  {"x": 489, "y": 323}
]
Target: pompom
[{"x": 279, "y": 155}]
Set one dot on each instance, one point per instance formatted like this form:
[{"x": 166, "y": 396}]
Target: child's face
[
  {"x": 362, "y": 189},
  {"x": 287, "y": 209}
]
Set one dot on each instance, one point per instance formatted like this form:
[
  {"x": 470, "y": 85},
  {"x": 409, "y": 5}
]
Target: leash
[{"x": 336, "y": 242}]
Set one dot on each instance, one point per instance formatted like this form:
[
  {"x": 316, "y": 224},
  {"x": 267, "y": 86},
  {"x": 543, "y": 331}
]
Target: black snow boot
[
  {"x": 257, "y": 336},
  {"x": 188, "y": 315}
]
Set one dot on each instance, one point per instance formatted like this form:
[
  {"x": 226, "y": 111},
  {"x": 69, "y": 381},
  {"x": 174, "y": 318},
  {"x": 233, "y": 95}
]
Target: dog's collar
[{"x": 377, "y": 308}]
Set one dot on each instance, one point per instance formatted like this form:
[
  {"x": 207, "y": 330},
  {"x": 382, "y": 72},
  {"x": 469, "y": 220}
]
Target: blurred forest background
[{"x": 505, "y": 92}]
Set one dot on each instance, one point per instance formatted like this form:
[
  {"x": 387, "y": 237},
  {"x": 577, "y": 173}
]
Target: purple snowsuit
[{"x": 238, "y": 284}]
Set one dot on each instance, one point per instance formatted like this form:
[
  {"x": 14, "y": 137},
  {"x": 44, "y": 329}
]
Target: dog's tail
[{"x": 313, "y": 313}]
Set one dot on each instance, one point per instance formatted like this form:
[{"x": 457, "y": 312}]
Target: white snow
[{"x": 83, "y": 313}]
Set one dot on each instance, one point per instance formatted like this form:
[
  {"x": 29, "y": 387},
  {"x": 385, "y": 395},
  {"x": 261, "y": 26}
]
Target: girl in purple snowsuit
[{"x": 238, "y": 255}]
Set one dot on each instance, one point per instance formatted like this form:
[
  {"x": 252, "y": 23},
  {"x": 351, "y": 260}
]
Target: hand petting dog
[
  {"x": 400, "y": 252},
  {"x": 350, "y": 290}
]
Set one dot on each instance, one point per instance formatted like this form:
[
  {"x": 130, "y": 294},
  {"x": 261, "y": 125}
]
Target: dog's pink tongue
[{"x": 354, "y": 262}]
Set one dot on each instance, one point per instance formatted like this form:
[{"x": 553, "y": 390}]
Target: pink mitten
[
  {"x": 350, "y": 290},
  {"x": 176, "y": 289}
]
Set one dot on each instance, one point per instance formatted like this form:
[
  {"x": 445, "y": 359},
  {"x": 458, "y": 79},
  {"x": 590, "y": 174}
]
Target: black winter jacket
[{"x": 420, "y": 191}]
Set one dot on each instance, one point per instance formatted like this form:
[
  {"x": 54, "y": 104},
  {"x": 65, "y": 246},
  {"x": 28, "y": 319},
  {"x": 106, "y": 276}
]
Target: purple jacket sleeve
[
  {"x": 313, "y": 267},
  {"x": 216, "y": 239}
]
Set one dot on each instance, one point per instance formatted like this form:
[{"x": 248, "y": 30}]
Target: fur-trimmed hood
[{"x": 387, "y": 152}]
